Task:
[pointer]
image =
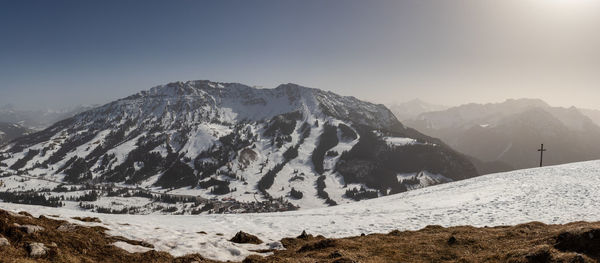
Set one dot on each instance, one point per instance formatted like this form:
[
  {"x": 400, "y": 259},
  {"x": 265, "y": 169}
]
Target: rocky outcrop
[
  {"x": 37, "y": 250},
  {"x": 245, "y": 238}
]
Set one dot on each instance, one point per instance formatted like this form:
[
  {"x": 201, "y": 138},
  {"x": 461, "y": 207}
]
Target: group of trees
[
  {"x": 321, "y": 191},
  {"x": 31, "y": 199},
  {"x": 23, "y": 161},
  {"x": 296, "y": 194},
  {"x": 219, "y": 187},
  {"x": 360, "y": 194},
  {"x": 327, "y": 140},
  {"x": 78, "y": 171},
  {"x": 292, "y": 152}
]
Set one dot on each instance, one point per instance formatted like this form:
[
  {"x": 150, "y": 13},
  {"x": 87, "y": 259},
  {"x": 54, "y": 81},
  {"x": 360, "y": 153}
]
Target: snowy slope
[
  {"x": 558, "y": 194},
  {"x": 235, "y": 142}
]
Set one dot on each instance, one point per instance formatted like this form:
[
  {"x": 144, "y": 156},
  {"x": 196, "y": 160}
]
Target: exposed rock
[
  {"x": 88, "y": 219},
  {"x": 275, "y": 245},
  {"x": 66, "y": 227},
  {"x": 14, "y": 214},
  {"x": 37, "y": 249},
  {"x": 246, "y": 157},
  {"x": 30, "y": 229},
  {"x": 23, "y": 213},
  {"x": 4, "y": 242},
  {"x": 245, "y": 238},
  {"x": 304, "y": 235},
  {"x": 132, "y": 242}
]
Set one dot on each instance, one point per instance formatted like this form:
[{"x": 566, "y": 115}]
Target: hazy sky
[{"x": 55, "y": 53}]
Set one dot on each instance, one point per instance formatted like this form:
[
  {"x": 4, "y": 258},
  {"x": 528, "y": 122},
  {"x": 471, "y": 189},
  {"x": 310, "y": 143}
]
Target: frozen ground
[{"x": 558, "y": 194}]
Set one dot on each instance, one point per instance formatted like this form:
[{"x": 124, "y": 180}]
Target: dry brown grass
[
  {"x": 80, "y": 244},
  {"x": 532, "y": 242}
]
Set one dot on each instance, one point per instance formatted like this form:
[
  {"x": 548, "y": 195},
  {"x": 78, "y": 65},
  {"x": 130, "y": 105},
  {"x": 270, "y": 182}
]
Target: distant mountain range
[
  {"x": 505, "y": 136},
  {"x": 306, "y": 146},
  {"x": 594, "y": 115},
  {"x": 38, "y": 119},
  {"x": 11, "y": 131},
  {"x": 411, "y": 109}
]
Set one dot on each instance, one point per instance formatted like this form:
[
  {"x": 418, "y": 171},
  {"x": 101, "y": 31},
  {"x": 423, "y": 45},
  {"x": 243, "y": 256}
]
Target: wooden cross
[{"x": 542, "y": 150}]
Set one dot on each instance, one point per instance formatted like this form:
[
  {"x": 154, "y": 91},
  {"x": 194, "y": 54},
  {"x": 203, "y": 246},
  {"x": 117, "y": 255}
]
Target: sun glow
[
  {"x": 570, "y": 3},
  {"x": 566, "y": 8}
]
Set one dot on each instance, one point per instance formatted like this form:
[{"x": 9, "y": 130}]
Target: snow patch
[
  {"x": 552, "y": 195},
  {"x": 398, "y": 141}
]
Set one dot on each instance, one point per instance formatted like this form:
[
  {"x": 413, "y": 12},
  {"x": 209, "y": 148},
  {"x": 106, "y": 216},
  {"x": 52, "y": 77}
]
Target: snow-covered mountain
[
  {"x": 552, "y": 195},
  {"x": 10, "y": 131},
  {"x": 295, "y": 144},
  {"x": 504, "y": 136},
  {"x": 413, "y": 108}
]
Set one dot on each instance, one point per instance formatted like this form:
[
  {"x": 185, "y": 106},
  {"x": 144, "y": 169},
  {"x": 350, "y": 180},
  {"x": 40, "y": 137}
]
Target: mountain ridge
[
  {"x": 504, "y": 136},
  {"x": 212, "y": 139}
]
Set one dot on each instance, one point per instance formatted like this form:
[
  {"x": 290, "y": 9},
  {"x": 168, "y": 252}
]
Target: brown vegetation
[
  {"x": 533, "y": 242},
  {"x": 60, "y": 241},
  {"x": 245, "y": 238},
  {"x": 88, "y": 219}
]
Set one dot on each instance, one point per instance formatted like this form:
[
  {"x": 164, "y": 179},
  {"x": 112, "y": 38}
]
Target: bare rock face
[
  {"x": 66, "y": 227},
  {"x": 37, "y": 250},
  {"x": 245, "y": 238},
  {"x": 30, "y": 229},
  {"x": 4, "y": 242},
  {"x": 14, "y": 214}
]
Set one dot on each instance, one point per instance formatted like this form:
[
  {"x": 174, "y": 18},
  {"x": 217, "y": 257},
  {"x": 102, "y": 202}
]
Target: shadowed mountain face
[
  {"x": 506, "y": 135},
  {"x": 594, "y": 115},
  {"x": 10, "y": 131},
  {"x": 307, "y": 145}
]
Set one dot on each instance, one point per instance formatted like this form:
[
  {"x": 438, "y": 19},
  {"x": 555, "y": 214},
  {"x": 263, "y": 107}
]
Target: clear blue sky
[{"x": 60, "y": 53}]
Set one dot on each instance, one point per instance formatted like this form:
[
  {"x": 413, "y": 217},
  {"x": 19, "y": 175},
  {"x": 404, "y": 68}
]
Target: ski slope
[{"x": 556, "y": 195}]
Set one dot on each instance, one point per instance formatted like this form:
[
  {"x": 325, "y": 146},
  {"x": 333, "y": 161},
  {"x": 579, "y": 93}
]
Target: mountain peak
[{"x": 215, "y": 138}]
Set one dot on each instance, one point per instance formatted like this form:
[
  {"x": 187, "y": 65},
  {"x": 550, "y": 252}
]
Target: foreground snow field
[{"x": 558, "y": 194}]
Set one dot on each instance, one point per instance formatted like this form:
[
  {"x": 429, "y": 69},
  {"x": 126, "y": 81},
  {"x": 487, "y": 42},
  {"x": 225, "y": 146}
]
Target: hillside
[
  {"x": 24, "y": 238},
  {"x": 594, "y": 115},
  {"x": 226, "y": 148},
  {"x": 505, "y": 136},
  {"x": 551, "y": 195},
  {"x": 11, "y": 131}
]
